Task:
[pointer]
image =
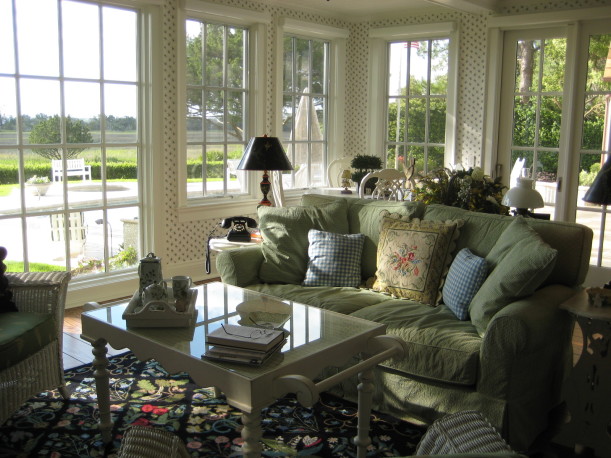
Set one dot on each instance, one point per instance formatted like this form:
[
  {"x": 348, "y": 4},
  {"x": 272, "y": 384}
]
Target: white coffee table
[{"x": 318, "y": 339}]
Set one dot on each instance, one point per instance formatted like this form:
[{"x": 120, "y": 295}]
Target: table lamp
[
  {"x": 346, "y": 177},
  {"x": 264, "y": 153},
  {"x": 600, "y": 193},
  {"x": 523, "y": 196}
]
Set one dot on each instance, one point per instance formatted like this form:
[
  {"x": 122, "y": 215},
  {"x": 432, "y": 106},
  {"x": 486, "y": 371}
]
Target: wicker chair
[
  {"x": 149, "y": 442},
  {"x": 41, "y": 368}
]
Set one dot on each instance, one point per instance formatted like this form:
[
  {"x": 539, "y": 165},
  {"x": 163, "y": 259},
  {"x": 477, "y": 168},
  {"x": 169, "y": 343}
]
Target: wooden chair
[
  {"x": 390, "y": 185},
  {"x": 31, "y": 338}
]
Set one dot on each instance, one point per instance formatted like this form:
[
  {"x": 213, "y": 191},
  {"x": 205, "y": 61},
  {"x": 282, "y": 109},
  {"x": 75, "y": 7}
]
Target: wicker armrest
[{"x": 42, "y": 292}]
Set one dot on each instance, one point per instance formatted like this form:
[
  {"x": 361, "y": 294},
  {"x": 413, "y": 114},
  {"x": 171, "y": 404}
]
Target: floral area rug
[{"x": 143, "y": 393}]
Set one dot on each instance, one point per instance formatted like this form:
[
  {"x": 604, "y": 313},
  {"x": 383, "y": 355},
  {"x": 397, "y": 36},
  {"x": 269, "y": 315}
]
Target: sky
[{"x": 39, "y": 58}]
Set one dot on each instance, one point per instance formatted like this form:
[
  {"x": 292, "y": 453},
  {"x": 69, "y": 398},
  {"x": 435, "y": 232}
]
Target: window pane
[
  {"x": 289, "y": 58},
  {"x": 554, "y": 65},
  {"x": 416, "y": 122},
  {"x": 7, "y": 54},
  {"x": 439, "y": 67},
  {"x": 236, "y": 48},
  {"x": 194, "y": 52},
  {"x": 418, "y": 67},
  {"x": 213, "y": 54},
  {"x": 594, "y": 122},
  {"x": 524, "y": 119},
  {"x": 302, "y": 62},
  {"x": 437, "y": 120},
  {"x": 527, "y": 64},
  {"x": 435, "y": 157},
  {"x": 74, "y": 94},
  {"x": 81, "y": 40},
  {"x": 288, "y": 111},
  {"x": 120, "y": 49},
  {"x": 397, "y": 72},
  {"x": 8, "y": 112},
  {"x": 551, "y": 117},
  {"x": 39, "y": 101},
  {"x": 121, "y": 110},
  {"x": 597, "y": 61},
  {"x": 215, "y": 120},
  {"x": 37, "y": 38},
  {"x": 318, "y": 67},
  {"x": 236, "y": 116}
]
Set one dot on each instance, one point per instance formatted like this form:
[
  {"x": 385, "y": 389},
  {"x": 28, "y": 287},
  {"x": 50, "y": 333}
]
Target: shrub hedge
[{"x": 115, "y": 170}]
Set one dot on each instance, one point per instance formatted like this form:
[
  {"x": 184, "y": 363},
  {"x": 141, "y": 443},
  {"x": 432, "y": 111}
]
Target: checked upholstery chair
[{"x": 31, "y": 338}]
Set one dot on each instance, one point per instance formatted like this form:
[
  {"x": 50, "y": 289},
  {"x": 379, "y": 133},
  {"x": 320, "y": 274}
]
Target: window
[
  {"x": 70, "y": 136},
  {"x": 217, "y": 69},
  {"x": 413, "y": 71},
  {"x": 305, "y": 110},
  {"x": 417, "y": 103}
]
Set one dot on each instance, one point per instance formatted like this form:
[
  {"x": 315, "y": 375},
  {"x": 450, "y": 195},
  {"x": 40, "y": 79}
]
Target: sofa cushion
[
  {"x": 285, "y": 238},
  {"x": 413, "y": 258},
  {"x": 466, "y": 275},
  {"x": 482, "y": 230},
  {"x": 22, "y": 334},
  {"x": 334, "y": 259},
  {"x": 365, "y": 217},
  {"x": 522, "y": 262},
  {"x": 439, "y": 347},
  {"x": 338, "y": 299}
]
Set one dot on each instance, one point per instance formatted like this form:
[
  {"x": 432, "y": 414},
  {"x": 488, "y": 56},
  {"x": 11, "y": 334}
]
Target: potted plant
[
  {"x": 363, "y": 164},
  {"x": 38, "y": 185}
]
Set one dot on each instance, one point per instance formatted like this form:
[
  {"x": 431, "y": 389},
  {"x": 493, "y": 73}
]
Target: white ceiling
[{"x": 374, "y": 8}]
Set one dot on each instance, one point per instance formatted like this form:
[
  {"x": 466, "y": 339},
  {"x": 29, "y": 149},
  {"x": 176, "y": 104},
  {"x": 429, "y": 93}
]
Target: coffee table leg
[
  {"x": 251, "y": 433},
  {"x": 102, "y": 388},
  {"x": 362, "y": 439}
]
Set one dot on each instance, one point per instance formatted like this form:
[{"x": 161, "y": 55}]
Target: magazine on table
[
  {"x": 241, "y": 355},
  {"x": 248, "y": 337}
]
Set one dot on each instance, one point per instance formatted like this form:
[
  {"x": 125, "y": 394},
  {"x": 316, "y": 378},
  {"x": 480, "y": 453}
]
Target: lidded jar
[{"x": 149, "y": 271}]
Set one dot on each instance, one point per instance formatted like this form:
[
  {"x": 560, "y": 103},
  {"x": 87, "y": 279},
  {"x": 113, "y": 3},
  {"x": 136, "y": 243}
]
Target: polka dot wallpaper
[{"x": 185, "y": 242}]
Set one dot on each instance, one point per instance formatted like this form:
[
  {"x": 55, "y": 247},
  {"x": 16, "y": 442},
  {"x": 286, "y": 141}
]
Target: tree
[{"x": 48, "y": 131}]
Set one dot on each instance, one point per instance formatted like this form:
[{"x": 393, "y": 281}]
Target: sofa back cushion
[
  {"x": 285, "y": 238},
  {"x": 481, "y": 231},
  {"x": 365, "y": 217}
]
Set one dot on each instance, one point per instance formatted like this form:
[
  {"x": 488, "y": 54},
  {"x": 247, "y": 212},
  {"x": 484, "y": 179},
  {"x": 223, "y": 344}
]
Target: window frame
[
  {"x": 336, "y": 96},
  {"x": 256, "y": 22},
  {"x": 379, "y": 39}
]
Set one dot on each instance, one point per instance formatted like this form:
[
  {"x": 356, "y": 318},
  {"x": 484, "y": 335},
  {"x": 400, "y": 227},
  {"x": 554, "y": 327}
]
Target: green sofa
[{"x": 511, "y": 372}]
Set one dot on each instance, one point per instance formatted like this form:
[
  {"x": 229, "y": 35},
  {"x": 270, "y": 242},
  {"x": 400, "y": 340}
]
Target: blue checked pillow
[
  {"x": 466, "y": 275},
  {"x": 335, "y": 259}
]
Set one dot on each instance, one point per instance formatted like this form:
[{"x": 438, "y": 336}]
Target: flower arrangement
[
  {"x": 37, "y": 180},
  {"x": 469, "y": 189}
]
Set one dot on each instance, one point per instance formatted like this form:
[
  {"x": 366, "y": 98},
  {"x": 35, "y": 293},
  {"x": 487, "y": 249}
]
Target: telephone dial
[{"x": 238, "y": 228}]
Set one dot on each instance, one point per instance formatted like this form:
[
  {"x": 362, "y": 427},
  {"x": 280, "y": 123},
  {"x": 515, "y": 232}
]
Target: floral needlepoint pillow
[{"x": 414, "y": 258}]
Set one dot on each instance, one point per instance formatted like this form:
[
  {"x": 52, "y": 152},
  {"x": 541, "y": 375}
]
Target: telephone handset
[{"x": 237, "y": 226}]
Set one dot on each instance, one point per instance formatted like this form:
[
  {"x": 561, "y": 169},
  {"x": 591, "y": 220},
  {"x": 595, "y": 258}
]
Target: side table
[{"x": 588, "y": 389}]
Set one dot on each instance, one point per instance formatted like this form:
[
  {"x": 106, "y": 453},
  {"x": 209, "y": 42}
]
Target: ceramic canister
[{"x": 149, "y": 271}]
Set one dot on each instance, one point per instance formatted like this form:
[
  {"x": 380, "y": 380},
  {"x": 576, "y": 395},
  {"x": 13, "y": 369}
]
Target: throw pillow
[
  {"x": 520, "y": 270},
  {"x": 335, "y": 259},
  {"x": 285, "y": 238},
  {"x": 414, "y": 257},
  {"x": 466, "y": 275}
]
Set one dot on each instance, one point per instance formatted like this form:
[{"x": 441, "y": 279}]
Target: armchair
[{"x": 31, "y": 338}]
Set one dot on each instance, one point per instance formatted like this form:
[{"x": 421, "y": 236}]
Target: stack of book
[{"x": 243, "y": 344}]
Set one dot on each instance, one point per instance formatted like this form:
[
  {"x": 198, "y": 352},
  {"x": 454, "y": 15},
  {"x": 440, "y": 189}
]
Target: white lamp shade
[{"x": 523, "y": 195}]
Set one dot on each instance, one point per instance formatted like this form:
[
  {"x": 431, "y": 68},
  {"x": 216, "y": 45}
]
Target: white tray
[{"x": 160, "y": 314}]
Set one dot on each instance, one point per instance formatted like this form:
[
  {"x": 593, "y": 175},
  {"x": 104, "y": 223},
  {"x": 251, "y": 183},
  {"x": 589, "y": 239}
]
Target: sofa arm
[
  {"x": 240, "y": 267},
  {"x": 527, "y": 343}
]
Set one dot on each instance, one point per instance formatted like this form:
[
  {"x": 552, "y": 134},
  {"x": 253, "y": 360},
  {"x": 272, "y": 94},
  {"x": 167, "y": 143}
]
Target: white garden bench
[{"x": 75, "y": 167}]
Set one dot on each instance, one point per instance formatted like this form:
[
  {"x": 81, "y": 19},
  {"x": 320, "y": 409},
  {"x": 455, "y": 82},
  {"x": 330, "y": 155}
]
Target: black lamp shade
[
  {"x": 600, "y": 191},
  {"x": 264, "y": 153}
]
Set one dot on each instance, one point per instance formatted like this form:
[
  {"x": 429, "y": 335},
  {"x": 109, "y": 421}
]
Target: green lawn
[{"x": 17, "y": 266}]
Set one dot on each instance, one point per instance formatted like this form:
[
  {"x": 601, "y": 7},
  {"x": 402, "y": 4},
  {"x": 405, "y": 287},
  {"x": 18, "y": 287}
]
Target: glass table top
[{"x": 310, "y": 329}]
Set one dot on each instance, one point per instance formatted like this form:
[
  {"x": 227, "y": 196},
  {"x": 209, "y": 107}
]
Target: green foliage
[
  {"x": 48, "y": 131},
  {"x": 18, "y": 266},
  {"x": 363, "y": 164},
  {"x": 126, "y": 257},
  {"x": 468, "y": 189},
  {"x": 587, "y": 178}
]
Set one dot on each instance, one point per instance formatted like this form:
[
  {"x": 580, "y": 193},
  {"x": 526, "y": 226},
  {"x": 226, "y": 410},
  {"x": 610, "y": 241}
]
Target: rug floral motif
[{"x": 143, "y": 393}]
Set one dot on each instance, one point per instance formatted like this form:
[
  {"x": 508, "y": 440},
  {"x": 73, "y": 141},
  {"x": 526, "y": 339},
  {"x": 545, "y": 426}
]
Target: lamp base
[{"x": 265, "y": 187}]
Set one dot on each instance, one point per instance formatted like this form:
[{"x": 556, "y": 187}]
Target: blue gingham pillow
[
  {"x": 466, "y": 275},
  {"x": 335, "y": 259}
]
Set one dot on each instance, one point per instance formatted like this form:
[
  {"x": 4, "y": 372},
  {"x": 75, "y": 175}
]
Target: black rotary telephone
[
  {"x": 237, "y": 226},
  {"x": 238, "y": 232}
]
